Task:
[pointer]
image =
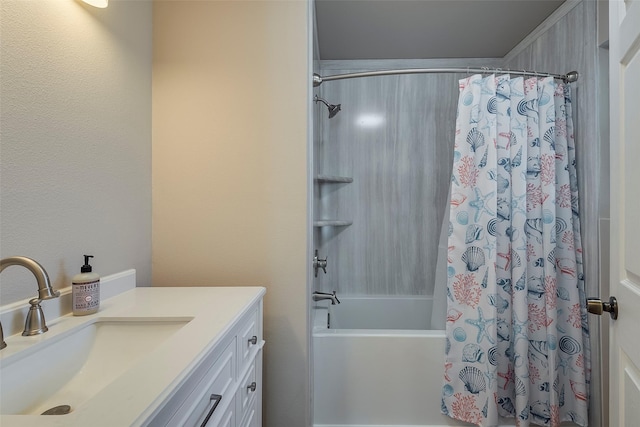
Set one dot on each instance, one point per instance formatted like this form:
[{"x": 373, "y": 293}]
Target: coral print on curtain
[{"x": 517, "y": 336}]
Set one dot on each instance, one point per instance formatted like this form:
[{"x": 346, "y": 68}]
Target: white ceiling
[{"x": 423, "y": 29}]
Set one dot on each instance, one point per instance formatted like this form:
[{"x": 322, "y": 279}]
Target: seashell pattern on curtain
[{"x": 517, "y": 335}]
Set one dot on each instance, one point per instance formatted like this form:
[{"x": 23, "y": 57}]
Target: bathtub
[{"x": 376, "y": 363}]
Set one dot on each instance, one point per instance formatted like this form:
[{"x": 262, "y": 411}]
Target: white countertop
[{"x": 131, "y": 398}]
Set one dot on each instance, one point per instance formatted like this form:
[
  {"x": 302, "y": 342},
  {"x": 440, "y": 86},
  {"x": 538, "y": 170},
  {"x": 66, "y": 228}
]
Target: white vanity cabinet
[
  {"x": 205, "y": 369},
  {"x": 225, "y": 388}
]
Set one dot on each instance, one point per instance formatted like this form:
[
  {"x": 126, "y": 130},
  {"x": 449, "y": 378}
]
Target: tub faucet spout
[
  {"x": 35, "y": 323},
  {"x": 319, "y": 296}
]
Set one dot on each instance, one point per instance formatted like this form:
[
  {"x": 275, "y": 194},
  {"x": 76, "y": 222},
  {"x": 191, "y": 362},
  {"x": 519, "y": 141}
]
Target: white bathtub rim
[
  {"x": 320, "y": 332},
  {"x": 381, "y": 425},
  {"x": 382, "y": 296},
  {"x": 404, "y": 425}
]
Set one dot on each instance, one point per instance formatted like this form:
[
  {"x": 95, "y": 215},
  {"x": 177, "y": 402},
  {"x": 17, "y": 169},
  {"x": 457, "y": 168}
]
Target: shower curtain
[{"x": 517, "y": 336}]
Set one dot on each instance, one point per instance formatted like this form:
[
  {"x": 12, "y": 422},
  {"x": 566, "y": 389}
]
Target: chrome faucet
[
  {"x": 35, "y": 323},
  {"x": 319, "y": 296}
]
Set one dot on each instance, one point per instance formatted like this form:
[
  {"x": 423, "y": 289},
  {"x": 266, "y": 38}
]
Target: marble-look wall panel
[{"x": 394, "y": 137}]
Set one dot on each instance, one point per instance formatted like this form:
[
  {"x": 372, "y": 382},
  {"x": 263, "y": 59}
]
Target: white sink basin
[{"x": 69, "y": 369}]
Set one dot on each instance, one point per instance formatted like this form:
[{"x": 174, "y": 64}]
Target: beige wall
[
  {"x": 230, "y": 83},
  {"x": 75, "y": 164}
]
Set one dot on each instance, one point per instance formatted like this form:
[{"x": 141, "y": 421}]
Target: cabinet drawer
[
  {"x": 247, "y": 390},
  {"x": 227, "y": 419},
  {"x": 251, "y": 416},
  {"x": 218, "y": 380},
  {"x": 249, "y": 339}
]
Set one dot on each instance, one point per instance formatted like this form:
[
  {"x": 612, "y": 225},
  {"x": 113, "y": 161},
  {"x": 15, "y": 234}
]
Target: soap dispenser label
[{"x": 86, "y": 297}]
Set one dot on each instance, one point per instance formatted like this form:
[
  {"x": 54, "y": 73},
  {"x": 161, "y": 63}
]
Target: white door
[{"x": 624, "y": 51}]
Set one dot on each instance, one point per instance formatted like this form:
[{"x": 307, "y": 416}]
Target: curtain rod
[{"x": 570, "y": 77}]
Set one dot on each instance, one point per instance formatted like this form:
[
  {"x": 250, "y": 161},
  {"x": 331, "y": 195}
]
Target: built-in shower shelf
[
  {"x": 331, "y": 179},
  {"x": 332, "y": 223}
]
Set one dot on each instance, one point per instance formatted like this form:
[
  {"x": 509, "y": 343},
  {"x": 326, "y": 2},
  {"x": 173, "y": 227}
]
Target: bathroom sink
[{"x": 72, "y": 367}]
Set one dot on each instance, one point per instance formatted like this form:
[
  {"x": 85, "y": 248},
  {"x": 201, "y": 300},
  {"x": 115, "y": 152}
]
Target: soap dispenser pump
[{"x": 85, "y": 290}]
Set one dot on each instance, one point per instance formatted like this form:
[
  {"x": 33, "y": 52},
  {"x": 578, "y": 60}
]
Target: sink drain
[{"x": 58, "y": 410}]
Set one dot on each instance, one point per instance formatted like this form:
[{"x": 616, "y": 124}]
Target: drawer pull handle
[
  {"x": 252, "y": 387},
  {"x": 253, "y": 340},
  {"x": 214, "y": 397}
]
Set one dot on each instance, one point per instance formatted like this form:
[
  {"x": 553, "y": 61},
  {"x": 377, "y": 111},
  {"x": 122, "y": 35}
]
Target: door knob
[{"x": 597, "y": 306}]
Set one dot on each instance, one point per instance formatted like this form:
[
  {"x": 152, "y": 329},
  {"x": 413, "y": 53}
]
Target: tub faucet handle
[
  {"x": 319, "y": 264},
  {"x": 335, "y": 298}
]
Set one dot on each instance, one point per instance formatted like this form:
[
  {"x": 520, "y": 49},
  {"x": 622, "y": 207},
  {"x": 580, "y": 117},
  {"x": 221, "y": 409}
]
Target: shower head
[{"x": 333, "y": 109}]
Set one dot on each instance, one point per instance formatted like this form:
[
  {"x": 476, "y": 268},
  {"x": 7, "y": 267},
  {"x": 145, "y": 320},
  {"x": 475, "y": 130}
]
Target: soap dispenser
[{"x": 85, "y": 290}]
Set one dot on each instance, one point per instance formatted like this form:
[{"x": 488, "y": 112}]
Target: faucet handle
[
  {"x": 35, "y": 323},
  {"x": 335, "y": 297},
  {"x": 322, "y": 263},
  {"x": 319, "y": 264}
]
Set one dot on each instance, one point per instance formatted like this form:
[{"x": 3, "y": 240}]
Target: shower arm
[
  {"x": 570, "y": 77},
  {"x": 317, "y": 98}
]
